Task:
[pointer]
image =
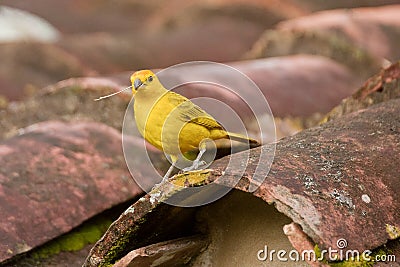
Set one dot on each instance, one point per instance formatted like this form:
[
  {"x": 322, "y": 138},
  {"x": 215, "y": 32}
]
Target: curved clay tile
[
  {"x": 336, "y": 181},
  {"x": 56, "y": 175}
]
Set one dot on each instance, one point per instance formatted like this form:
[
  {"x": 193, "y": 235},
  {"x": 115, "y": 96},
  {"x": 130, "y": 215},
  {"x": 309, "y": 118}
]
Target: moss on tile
[
  {"x": 192, "y": 178},
  {"x": 77, "y": 239},
  {"x": 393, "y": 231}
]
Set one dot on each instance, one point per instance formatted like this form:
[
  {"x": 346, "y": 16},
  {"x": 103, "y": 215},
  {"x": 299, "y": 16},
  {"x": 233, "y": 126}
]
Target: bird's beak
[{"x": 137, "y": 83}]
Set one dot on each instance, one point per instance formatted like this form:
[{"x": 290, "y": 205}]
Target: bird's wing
[{"x": 189, "y": 112}]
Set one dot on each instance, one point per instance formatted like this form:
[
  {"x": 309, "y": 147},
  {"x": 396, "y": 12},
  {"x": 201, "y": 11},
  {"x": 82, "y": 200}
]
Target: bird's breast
[{"x": 153, "y": 120}]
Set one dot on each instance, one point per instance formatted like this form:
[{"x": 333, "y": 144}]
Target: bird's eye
[{"x": 150, "y": 78}]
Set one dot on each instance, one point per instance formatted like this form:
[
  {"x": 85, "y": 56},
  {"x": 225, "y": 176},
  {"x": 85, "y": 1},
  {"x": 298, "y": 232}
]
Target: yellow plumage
[{"x": 170, "y": 121}]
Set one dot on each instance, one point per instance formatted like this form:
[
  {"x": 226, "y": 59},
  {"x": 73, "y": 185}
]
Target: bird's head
[{"x": 141, "y": 79}]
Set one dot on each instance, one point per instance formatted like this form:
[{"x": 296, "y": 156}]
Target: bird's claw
[{"x": 196, "y": 165}]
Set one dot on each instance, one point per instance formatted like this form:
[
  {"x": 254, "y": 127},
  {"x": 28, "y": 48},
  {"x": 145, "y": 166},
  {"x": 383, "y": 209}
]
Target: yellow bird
[{"x": 173, "y": 123}]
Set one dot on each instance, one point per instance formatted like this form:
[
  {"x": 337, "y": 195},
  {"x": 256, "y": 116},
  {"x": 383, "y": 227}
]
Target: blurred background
[
  {"x": 43, "y": 42},
  {"x": 305, "y": 55}
]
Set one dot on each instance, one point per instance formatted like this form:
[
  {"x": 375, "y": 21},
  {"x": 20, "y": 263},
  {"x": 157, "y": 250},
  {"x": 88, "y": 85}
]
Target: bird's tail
[{"x": 244, "y": 139}]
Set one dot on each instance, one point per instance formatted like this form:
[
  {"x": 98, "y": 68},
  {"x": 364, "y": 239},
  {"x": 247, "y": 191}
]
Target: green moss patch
[{"x": 77, "y": 239}]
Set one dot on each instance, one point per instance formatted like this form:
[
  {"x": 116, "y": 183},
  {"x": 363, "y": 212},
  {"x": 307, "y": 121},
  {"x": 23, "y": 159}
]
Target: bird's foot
[{"x": 196, "y": 165}]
